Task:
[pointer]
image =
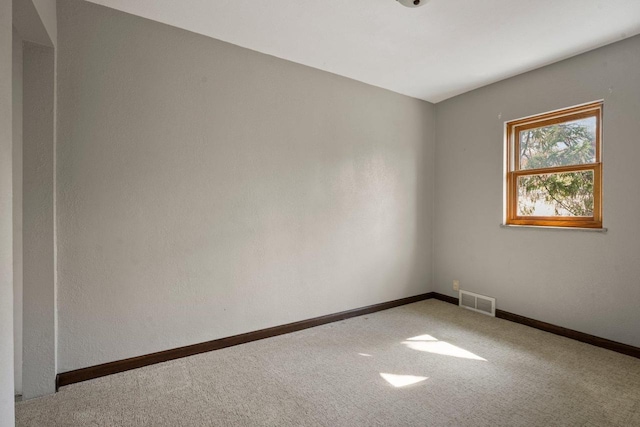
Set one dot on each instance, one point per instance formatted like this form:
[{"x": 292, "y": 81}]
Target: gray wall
[
  {"x": 205, "y": 190},
  {"x": 35, "y": 21},
  {"x": 47, "y": 12},
  {"x": 39, "y": 314},
  {"x": 34, "y": 198},
  {"x": 585, "y": 281},
  {"x": 17, "y": 209},
  {"x": 6, "y": 216}
]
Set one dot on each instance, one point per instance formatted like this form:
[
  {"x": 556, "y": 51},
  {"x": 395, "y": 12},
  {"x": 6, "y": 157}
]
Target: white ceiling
[{"x": 434, "y": 52}]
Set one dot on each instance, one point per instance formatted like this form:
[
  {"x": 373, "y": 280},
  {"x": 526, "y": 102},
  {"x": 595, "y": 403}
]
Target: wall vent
[{"x": 479, "y": 303}]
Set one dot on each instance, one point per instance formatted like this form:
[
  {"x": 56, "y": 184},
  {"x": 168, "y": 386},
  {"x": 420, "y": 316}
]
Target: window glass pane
[
  {"x": 556, "y": 194},
  {"x": 568, "y": 143}
]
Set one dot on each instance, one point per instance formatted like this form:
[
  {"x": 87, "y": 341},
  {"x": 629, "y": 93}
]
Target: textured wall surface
[
  {"x": 17, "y": 209},
  {"x": 580, "y": 280},
  {"x": 206, "y": 190},
  {"x": 39, "y": 317},
  {"x": 47, "y": 12},
  {"x": 6, "y": 222}
]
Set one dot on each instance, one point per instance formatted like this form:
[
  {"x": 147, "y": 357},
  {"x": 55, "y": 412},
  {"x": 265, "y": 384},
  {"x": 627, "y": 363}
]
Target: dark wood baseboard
[
  {"x": 445, "y": 298},
  {"x": 84, "y": 374},
  {"x": 557, "y": 330},
  {"x": 570, "y": 333}
]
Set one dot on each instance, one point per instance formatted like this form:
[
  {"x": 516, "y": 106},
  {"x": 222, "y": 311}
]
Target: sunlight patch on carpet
[
  {"x": 422, "y": 338},
  {"x": 429, "y": 344},
  {"x": 401, "y": 380}
]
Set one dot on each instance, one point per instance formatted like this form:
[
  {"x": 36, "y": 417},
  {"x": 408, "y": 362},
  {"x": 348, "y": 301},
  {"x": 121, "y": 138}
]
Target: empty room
[{"x": 319, "y": 213}]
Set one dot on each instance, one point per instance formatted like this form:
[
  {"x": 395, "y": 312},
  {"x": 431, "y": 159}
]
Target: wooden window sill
[{"x": 545, "y": 227}]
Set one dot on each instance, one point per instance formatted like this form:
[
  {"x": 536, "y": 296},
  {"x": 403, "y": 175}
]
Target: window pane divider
[{"x": 557, "y": 169}]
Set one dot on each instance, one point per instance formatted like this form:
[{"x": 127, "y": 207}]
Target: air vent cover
[{"x": 477, "y": 302}]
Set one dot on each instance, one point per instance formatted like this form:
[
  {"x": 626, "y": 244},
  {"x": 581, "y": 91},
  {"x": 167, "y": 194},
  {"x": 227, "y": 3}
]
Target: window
[{"x": 554, "y": 169}]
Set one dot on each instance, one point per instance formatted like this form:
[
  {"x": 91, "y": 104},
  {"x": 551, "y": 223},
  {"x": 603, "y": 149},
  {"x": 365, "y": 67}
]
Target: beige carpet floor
[{"x": 424, "y": 364}]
